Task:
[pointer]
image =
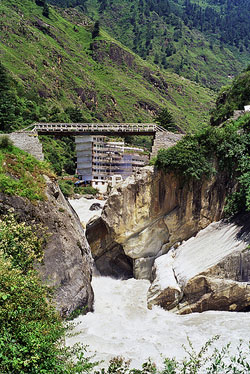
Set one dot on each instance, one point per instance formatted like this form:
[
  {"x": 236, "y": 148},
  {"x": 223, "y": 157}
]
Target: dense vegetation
[
  {"x": 233, "y": 97},
  {"x": 42, "y": 79},
  {"x": 205, "y": 41},
  {"x": 31, "y": 331},
  {"x": 69, "y": 189},
  {"x": 215, "y": 150},
  {"x": 20, "y": 173}
]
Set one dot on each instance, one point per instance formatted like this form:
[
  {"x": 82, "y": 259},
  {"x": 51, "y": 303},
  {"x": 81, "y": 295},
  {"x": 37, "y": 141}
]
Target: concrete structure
[
  {"x": 105, "y": 129},
  {"x": 99, "y": 162},
  {"x": 84, "y": 145},
  {"x": 104, "y": 163},
  {"x": 28, "y": 142},
  {"x": 164, "y": 140}
]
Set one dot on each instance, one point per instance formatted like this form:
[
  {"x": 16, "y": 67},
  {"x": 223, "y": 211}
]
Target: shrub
[
  {"x": 22, "y": 175},
  {"x": 166, "y": 120},
  {"x": 20, "y": 244},
  {"x": 31, "y": 331},
  {"x": 96, "y": 30},
  {"x": 67, "y": 187},
  {"x": 206, "y": 360},
  {"x": 5, "y": 142},
  {"x": 194, "y": 156},
  {"x": 89, "y": 190}
]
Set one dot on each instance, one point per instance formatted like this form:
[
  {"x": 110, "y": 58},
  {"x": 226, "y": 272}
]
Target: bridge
[
  {"x": 105, "y": 129},
  {"x": 91, "y": 160}
]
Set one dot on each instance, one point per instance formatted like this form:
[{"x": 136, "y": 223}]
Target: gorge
[
  {"x": 160, "y": 267},
  {"x": 122, "y": 324}
]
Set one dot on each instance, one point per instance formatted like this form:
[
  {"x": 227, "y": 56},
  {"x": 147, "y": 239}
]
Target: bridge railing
[{"x": 97, "y": 127}]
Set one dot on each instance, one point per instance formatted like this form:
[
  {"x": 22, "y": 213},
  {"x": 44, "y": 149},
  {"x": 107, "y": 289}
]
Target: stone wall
[
  {"x": 164, "y": 140},
  {"x": 28, "y": 142}
]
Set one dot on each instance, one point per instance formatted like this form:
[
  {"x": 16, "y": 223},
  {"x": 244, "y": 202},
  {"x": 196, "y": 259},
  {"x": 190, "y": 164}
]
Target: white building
[{"x": 104, "y": 163}]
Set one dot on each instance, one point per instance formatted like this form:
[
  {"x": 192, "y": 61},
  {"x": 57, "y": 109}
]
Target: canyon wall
[
  {"x": 148, "y": 214},
  {"x": 147, "y": 230}
]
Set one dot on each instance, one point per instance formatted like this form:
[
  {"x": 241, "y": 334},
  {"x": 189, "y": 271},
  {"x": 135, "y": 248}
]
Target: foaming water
[{"x": 121, "y": 325}]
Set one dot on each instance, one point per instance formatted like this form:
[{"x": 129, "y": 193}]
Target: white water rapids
[{"x": 121, "y": 325}]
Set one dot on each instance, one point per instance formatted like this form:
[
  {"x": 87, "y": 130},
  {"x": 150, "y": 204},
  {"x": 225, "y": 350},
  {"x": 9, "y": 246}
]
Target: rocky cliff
[
  {"x": 142, "y": 226},
  {"x": 148, "y": 214},
  {"x": 209, "y": 271},
  {"x": 67, "y": 264}
]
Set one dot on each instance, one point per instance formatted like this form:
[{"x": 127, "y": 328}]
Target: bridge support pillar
[
  {"x": 28, "y": 142},
  {"x": 164, "y": 140}
]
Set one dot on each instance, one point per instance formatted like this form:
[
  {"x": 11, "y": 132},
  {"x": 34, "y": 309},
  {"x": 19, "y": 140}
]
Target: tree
[
  {"x": 165, "y": 119},
  {"x": 10, "y": 108},
  {"x": 96, "y": 30},
  {"x": 40, "y": 2},
  {"x": 75, "y": 114},
  {"x": 46, "y": 10}
]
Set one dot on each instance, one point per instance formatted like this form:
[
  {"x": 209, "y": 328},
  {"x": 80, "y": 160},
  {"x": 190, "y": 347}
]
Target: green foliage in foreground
[
  {"x": 214, "y": 150},
  {"x": 21, "y": 174},
  {"x": 19, "y": 243},
  {"x": 205, "y": 361},
  {"x": 31, "y": 331}
]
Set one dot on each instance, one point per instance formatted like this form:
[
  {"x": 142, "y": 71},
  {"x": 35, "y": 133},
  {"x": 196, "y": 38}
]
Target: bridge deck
[{"x": 120, "y": 129}]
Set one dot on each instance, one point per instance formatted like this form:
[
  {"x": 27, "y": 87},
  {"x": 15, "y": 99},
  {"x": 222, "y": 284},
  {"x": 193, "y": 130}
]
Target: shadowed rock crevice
[{"x": 109, "y": 256}]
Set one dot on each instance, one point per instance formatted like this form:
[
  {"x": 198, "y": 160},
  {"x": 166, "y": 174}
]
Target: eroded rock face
[
  {"x": 208, "y": 272},
  {"x": 151, "y": 212},
  {"x": 67, "y": 264}
]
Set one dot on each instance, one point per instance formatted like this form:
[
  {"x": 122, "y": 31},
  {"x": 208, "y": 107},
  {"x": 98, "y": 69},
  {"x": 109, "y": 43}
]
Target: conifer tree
[
  {"x": 96, "y": 30},
  {"x": 46, "y": 10}
]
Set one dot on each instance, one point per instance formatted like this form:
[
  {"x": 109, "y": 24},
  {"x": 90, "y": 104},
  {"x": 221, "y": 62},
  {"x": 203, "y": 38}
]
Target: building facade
[{"x": 103, "y": 163}]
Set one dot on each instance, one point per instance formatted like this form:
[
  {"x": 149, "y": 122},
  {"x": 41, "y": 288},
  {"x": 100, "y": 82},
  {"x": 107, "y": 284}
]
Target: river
[{"x": 121, "y": 325}]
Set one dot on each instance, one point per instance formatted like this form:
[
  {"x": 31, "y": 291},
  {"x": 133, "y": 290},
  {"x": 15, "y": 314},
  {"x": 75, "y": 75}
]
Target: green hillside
[
  {"x": 233, "y": 97},
  {"x": 205, "y": 41},
  {"x": 59, "y": 67}
]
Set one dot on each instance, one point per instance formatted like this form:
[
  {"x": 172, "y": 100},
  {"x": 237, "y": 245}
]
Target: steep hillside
[
  {"x": 58, "y": 65},
  {"x": 204, "y": 41},
  {"x": 233, "y": 97}
]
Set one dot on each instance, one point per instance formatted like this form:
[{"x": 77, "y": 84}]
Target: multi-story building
[{"x": 102, "y": 163}]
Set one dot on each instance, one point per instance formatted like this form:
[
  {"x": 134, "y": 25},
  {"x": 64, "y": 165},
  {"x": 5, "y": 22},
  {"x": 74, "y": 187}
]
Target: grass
[
  {"x": 56, "y": 63},
  {"x": 22, "y": 175}
]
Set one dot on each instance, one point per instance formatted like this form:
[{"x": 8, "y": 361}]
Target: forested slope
[
  {"x": 206, "y": 41},
  {"x": 59, "y": 66}
]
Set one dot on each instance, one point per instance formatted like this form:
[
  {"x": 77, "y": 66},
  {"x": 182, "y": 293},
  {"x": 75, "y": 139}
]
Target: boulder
[
  {"x": 95, "y": 206},
  {"x": 67, "y": 263},
  {"x": 208, "y": 272}
]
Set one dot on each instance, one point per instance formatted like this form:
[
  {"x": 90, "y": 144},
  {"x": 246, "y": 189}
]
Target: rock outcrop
[
  {"x": 148, "y": 214},
  {"x": 209, "y": 271},
  {"x": 67, "y": 264}
]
